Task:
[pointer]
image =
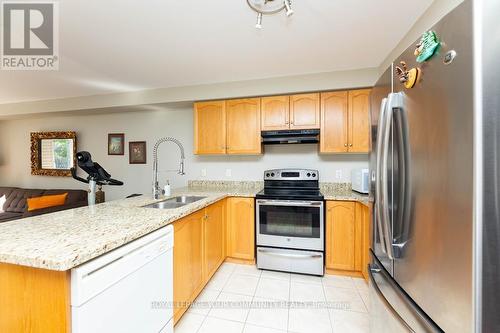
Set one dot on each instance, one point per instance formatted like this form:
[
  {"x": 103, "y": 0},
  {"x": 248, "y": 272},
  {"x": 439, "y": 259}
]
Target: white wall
[{"x": 149, "y": 126}]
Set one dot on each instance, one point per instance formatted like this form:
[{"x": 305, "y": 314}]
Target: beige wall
[
  {"x": 92, "y": 133},
  {"x": 270, "y": 86},
  {"x": 431, "y": 16}
]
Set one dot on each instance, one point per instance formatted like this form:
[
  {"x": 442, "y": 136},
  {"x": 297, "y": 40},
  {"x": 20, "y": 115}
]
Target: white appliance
[
  {"x": 360, "y": 180},
  {"x": 127, "y": 290}
]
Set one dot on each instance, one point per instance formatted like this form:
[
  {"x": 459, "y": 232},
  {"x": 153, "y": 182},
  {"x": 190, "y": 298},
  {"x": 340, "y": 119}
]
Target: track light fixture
[
  {"x": 268, "y": 7},
  {"x": 259, "y": 21},
  {"x": 288, "y": 6}
]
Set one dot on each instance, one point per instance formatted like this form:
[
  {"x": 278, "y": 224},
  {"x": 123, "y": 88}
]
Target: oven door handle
[
  {"x": 289, "y": 203},
  {"x": 290, "y": 255}
]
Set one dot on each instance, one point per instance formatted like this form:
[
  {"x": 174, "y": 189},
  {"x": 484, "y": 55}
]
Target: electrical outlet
[
  {"x": 338, "y": 174},
  {"x": 228, "y": 172},
  {"x": 203, "y": 172}
]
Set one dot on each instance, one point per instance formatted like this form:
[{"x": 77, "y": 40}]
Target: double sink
[{"x": 175, "y": 202}]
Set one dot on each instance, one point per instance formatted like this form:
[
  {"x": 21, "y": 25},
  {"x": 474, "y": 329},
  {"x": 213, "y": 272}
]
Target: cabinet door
[
  {"x": 188, "y": 263},
  {"x": 359, "y": 127},
  {"x": 334, "y": 117},
  {"x": 304, "y": 111},
  {"x": 241, "y": 228},
  {"x": 340, "y": 235},
  {"x": 213, "y": 238},
  {"x": 275, "y": 113},
  {"x": 365, "y": 247},
  {"x": 210, "y": 128},
  {"x": 243, "y": 126}
]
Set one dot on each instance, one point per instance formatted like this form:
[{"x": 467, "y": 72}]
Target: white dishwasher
[{"x": 127, "y": 290}]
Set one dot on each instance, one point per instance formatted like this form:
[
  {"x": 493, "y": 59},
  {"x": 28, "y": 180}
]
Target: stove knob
[
  {"x": 272, "y": 174},
  {"x": 308, "y": 174},
  {"x": 268, "y": 174},
  {"x": 314, "y": 175}
]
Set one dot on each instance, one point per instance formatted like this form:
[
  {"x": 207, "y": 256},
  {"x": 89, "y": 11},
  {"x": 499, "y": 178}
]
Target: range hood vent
[{"x": 290, "y": 137}]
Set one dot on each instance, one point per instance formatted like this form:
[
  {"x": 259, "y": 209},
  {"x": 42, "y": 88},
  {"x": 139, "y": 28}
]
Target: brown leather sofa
[{"x": 16, "y": 207}]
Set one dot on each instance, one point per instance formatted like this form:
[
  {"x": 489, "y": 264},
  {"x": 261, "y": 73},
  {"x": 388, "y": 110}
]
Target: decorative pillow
[
  {"x": 46, "y": 201},
  {"x": 2, "y": 202}
]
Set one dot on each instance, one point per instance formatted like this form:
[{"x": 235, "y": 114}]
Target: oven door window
[{"x": 290, "y": 221}]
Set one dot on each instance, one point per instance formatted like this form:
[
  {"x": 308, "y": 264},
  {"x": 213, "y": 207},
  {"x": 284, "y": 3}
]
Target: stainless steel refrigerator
[{"x": 435, "y": 249}]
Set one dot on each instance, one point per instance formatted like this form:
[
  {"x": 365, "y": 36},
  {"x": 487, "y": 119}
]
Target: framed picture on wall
[
  {"x": 116, "y": 144},
  {"x": 137, "y": 152}
]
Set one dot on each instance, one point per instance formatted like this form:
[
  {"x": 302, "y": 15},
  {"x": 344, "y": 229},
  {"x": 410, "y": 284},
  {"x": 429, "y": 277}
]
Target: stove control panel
[{"x": 291, "y": 174}]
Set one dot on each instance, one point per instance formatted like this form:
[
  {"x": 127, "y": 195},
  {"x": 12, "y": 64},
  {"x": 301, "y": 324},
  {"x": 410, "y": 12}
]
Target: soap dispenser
[{"x": 166, "y": 189}]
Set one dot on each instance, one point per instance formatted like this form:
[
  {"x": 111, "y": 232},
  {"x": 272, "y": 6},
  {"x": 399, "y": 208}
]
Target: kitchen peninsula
[{"x": 38, "y": 253}]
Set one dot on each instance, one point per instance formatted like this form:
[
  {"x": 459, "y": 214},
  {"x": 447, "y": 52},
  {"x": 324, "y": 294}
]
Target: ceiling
[{"x": 130, "y": 45}]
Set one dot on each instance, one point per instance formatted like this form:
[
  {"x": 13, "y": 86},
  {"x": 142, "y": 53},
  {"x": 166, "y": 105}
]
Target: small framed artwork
[
  {"x": 137, "y": 152},
  {"x": 116, "y": 144}
]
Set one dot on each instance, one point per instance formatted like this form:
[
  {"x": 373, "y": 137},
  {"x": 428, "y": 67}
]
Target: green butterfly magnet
[{"x": 427, "y": 46}]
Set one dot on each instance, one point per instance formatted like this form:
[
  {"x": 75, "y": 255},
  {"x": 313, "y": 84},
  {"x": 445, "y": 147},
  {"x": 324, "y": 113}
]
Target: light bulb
[
  {"x": 289, "y": 10},
  {"x": 259, "y": 21}
]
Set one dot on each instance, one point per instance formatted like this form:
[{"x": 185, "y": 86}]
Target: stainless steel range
[{"x": 290, "y": 222}]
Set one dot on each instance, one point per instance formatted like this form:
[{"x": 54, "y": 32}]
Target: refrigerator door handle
[
  {"x": 384, "y": 181},
  {"x": 375, "y": 270},
  {"x": 378, "y": 182},
  {"x": 409, "y": 314},
  {"x": 400, "y": 236}
]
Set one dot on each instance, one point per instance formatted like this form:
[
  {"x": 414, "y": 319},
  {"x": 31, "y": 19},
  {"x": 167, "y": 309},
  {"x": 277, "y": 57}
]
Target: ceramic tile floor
[{"x": 243, "y": 299}]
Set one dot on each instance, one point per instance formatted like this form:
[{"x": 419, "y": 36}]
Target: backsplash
[
  {"x": 221, "y": 184},
  {"x": 338, "y": 187}
]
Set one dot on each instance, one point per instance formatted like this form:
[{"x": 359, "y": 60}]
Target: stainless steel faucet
[{"x": 156, "y": 187}]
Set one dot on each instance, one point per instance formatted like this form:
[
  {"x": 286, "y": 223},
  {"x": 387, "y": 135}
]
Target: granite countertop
[
  {"x": 63, "y": 240},
  {"x": 343, "y": 192}
]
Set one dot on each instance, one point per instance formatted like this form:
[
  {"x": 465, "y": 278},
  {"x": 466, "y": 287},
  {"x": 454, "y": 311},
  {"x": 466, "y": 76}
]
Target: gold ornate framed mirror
[{"x": 53, "y": 153}]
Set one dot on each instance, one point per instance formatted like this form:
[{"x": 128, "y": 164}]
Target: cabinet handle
[
  {"x": 345, "y": 144},
  {"x": 350, "y": 145}
]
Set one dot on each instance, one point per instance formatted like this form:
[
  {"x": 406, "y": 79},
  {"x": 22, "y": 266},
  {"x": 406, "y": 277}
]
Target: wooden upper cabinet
[
  {"x": 359, "y": 125},
  {"x": 334, "y": 122},
  {"x": 340, "y": 235},
  {"x": 243, "y": 126},
  {"x": 275, "y": 113},
  {"x": 210, "y": 127},
  {"x": 304, "y": 111}
]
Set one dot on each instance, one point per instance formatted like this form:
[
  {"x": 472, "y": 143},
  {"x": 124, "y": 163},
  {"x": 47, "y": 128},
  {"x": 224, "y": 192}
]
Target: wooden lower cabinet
[
  {"x": 214, "y": 236},
  {"x": 347, "y": 238},
  {"x": 340, "y": 235},
  {"x": 188, "y": 261},
  {"x": 366, "y": 212},
  {"x": 201, "y": 245},
  {"x": 34, "y": 300},
  {"x": 241, "y": 228}
]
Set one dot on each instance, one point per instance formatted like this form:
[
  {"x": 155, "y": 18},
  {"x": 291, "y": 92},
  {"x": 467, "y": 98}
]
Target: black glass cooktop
[{"x": 290, "y": 194}]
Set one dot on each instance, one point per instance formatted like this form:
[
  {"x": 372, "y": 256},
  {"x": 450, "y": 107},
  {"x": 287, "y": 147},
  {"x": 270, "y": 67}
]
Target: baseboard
[
  {"x": 355, "y": 274},
  {"x": 240, "y": 261}
]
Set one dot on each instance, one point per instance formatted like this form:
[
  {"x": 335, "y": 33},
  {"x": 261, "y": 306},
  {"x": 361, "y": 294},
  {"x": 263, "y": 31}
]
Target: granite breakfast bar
[{"x": 38, "y": 253}]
